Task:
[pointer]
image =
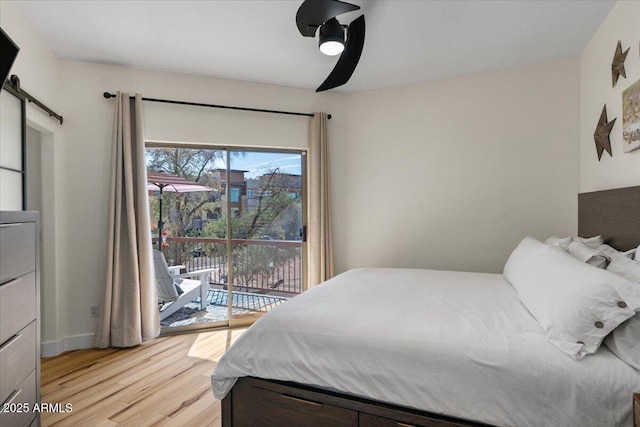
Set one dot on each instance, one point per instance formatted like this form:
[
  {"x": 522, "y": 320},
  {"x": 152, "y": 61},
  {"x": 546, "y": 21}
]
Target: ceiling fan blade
[
  {"x": 313, "y": 13},
  {"x": 348, "y": 61}
]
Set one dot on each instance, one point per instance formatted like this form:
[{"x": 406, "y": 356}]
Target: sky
[{"x": 259, "y": 163}]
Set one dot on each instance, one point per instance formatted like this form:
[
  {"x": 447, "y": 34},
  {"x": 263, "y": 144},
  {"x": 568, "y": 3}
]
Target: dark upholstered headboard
[{"x": 613, "y": 213}]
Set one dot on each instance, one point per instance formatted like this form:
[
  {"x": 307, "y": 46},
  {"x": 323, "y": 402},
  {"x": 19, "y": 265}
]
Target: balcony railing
[{"x": 258, "y": 265}]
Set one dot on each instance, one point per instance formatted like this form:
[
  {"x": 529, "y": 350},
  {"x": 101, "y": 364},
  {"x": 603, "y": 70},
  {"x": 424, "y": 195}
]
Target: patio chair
[{"x": 176, "y": 289}]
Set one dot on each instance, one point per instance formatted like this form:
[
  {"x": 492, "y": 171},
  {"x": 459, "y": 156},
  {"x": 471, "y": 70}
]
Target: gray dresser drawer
[
  {"x": 18, "y": 410},
  {"x": 17, "y": 250},
  {"x": 17, "y": 305},
  {"x": 17, "y": 360}
]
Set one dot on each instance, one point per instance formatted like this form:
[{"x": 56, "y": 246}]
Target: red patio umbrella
[{"x": 162, "y": 181}]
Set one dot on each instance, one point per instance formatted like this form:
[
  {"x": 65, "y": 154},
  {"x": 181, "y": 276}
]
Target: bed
[{"x": 377, "y": 347}]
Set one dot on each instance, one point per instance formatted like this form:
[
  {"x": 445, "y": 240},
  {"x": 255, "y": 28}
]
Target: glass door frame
[
  {"x": 243, "y": 322},
  {"x": 247, "y": 321}
]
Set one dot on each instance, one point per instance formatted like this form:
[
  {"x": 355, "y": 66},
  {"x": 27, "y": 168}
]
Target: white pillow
[
  {"x": 591, "y": 242},
  {"x": 637, "y": 257},
  {"x": 611, "y": 252},
  {"x": 625, "y": 267},
  {"x": 624, "y": 341},
  {"x": 588, "y": 255},
  {"x": 576, "y": 304},
  {"x": 563, "y": 242}
]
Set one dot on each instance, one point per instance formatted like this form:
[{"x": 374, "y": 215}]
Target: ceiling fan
[{"x": 314, "y": 14}]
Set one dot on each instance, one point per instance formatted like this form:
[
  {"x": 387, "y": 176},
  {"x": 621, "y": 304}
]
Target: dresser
[{"x": 19, "y": 319}]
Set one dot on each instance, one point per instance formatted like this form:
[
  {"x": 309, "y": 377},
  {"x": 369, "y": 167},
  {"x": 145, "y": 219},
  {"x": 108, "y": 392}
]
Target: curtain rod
[
  {"x": 108, "y": 95},
  {"x": 13, "y": 85}
]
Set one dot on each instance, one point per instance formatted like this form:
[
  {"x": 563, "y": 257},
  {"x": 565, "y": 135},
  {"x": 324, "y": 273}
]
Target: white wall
[
  {"x": 623, "y": 169},
  {"x": 452, "y": 174}
]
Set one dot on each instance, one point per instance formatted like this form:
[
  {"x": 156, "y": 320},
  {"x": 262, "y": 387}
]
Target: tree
[
  {"x": 191, "y": 164},
  {"x": 275, "y": 214},
  {"x": 272, "y": 215}
]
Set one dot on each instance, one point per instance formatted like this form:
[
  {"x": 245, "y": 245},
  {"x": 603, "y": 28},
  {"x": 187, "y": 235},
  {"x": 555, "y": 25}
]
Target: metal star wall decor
[
  {"x": 601, "y": 135},
  {"x": 617, "y": 66}
]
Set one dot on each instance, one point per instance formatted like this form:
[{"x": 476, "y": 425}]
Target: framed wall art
[{"x": 631, "y": 118}]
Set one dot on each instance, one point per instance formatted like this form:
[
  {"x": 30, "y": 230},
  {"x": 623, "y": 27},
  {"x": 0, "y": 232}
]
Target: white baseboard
[{"x": 76, "y": 342}]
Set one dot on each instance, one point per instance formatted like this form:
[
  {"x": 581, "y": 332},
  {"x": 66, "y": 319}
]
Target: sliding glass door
[
  {"x": 240, "y": 217},
  {"x": 266, "y": 222}
]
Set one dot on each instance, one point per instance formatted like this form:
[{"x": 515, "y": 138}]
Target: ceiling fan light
[
  {"x": 331, "y": 38},
  {"x": 331, "y": 48}
]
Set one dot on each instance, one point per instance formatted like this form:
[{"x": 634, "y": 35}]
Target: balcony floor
[{"x": 217, "y": 311}]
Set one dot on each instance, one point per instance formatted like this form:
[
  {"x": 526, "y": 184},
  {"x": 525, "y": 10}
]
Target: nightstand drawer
[
  {"x": 17, "y": 305},
  {"x": 17, "y": 250},
  {"x": 17, "y": 360}
]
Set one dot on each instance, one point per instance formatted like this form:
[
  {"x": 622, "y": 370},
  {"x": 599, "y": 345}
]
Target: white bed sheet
[{"x": 453, "y": 343}]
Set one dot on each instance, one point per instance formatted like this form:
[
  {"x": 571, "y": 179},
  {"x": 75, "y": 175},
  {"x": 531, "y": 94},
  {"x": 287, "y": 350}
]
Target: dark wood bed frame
[{"x": 615, "y": 214}]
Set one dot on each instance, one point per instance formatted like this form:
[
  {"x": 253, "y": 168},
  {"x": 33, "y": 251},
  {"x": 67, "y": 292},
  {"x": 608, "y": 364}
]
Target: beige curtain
[
  {"x": 129, "y": 313},
  {"x": 319, "y": 226}
]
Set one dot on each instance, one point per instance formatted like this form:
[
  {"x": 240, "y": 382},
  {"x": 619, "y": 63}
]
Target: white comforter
[{"x": 459, "y": 344}]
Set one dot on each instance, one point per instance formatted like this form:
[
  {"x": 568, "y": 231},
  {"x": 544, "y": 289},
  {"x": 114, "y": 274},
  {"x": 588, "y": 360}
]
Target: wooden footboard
[
  {"x": 636, "y": 410},
  {"x": 254, "y": 401}
]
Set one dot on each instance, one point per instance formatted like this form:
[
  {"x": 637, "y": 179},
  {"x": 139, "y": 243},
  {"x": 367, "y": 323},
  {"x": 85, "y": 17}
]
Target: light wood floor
[{"x": 163, "y": 382}]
